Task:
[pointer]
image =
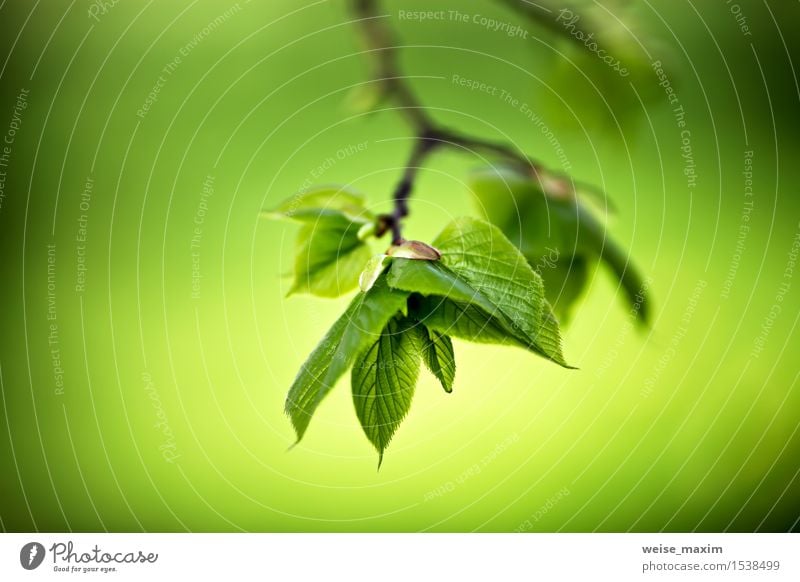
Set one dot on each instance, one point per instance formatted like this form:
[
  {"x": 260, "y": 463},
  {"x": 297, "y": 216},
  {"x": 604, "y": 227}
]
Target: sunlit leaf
[
  {"x": 318, "y": 205},
  {"x": 329, "y": 259},
  {"x": 372, "y": 270}
]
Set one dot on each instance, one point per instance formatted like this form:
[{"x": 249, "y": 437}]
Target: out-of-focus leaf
[
  {"x": 604, "y": 68},
  {"x": 541, "y": 222},
  {"x": 373, "y": 269},
  {"x": 329, "y": 259},
  {"x": 331, "y": 248},
  {"x": 318, "y": 205},
  {"x": 564, "y": 283}
]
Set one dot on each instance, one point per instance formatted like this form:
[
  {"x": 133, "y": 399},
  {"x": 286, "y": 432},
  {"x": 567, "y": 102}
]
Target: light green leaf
[
  {"x": 437, "y": 352},
  {"x": 481, "y": 255},
  {"x": 329, "y": 259},
  {"x": 324, "y": 204},
  {"x": 383, "y": 379},
  {"x": 360, "y": 325},
  {"x": 373, "y": 269}
]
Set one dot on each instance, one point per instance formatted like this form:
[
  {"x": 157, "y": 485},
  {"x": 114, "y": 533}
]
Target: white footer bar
[{"x": 389, "y": 557}]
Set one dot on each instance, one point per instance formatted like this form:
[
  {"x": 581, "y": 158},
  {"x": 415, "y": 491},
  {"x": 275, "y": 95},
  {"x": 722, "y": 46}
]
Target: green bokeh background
[{"x": 678, "y": 428}]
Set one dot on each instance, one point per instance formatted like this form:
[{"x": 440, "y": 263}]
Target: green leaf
[
  {"x": 324, "y": 204},
  {"x": 478, "y": 253},
  {"x": 331, "y": 251},
  {"x": 361, "y": 324},
  {"x": 629, "y": 278},
  {"x": 564, "y": 282},
  {"x": 437, "y": 351},
  {"x": 383, "y": 379},
  {"x": 329, "y": 259},
  {"x": 549, "y": 337},
  {"x": 372, "y": 270},
  {"x": 463, "y": 320},
  {"x": 433, "y": 278}
]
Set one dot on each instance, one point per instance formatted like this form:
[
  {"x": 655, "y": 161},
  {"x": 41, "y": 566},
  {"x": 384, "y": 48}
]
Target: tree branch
[{"x": 380, "y": 41}]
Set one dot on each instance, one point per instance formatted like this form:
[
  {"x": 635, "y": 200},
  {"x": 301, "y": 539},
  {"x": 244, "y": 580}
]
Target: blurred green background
[{"x": 147, "y": 343}]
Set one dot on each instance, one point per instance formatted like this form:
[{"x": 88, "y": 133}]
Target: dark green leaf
[
  {"x": 439, "y": 357},
  {"x": 384, "y": 377},
  {"x": 359, "y": 326},
  {"x": 465, "y": 321}
]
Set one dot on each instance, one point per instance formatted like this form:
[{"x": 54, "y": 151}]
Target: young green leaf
[
  {"x": 383, "y": 379},
  {"x": 335, "y": 204},
  {"x": 329, "y": 259},
  {"x": 373, "y": 269},
  {"x": 331, "y": 251},
  {"x": 437, "y": 351},
  {"x": 361, "y": 324}
]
